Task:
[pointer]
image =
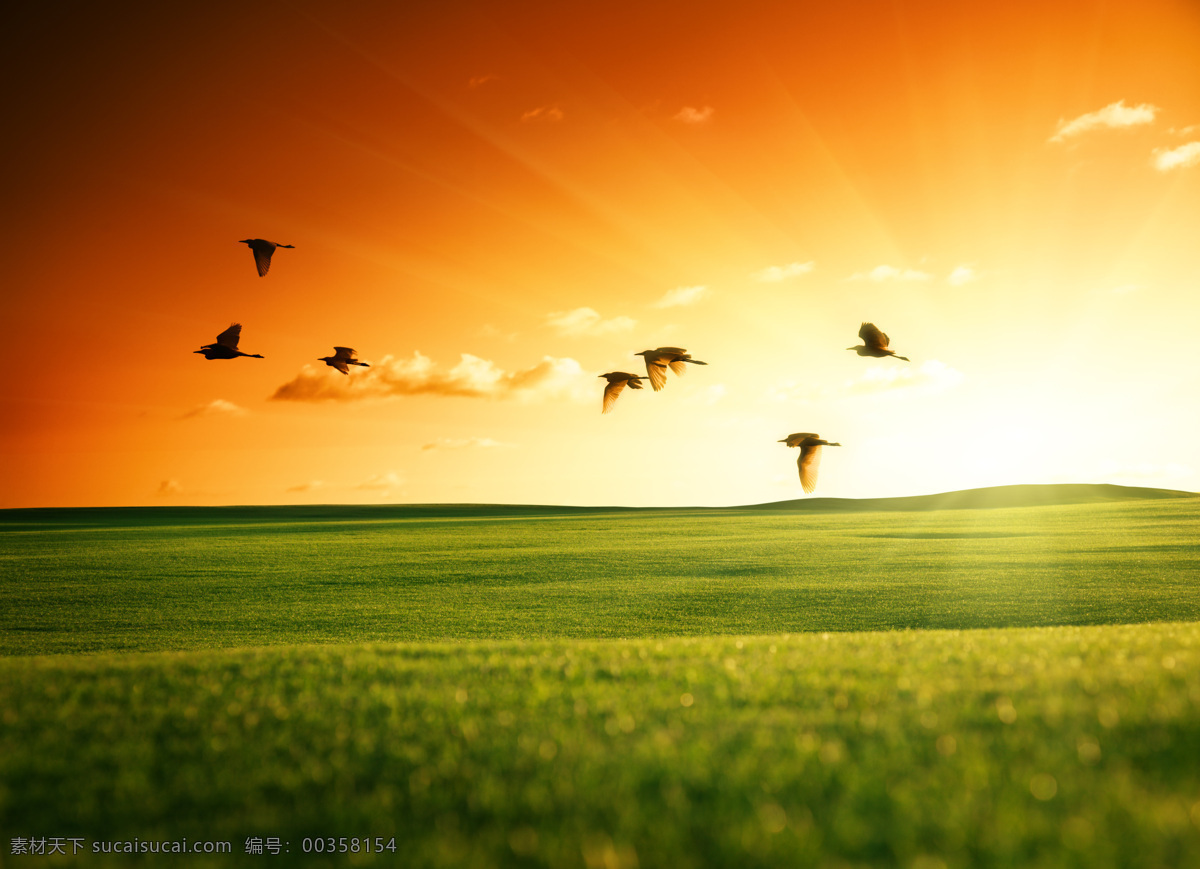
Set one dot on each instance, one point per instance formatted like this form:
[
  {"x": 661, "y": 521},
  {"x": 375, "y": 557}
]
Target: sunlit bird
[
  {"x": 875, "y": 343},
  {"x": 226, "y": 346},
  {"x": 262, "y": 252},
  {"x": 617, "y": 381},
  {"x": 809, "y": 462},
  {"x": 662, "y": 358},
  {"x": 342, "y": 358}
]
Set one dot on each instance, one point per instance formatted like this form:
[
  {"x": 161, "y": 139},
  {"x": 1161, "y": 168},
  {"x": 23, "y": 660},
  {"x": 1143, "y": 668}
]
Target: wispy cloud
[
  {"x": 1114, "y": 115},
  {"x": 681, "y": 296},
  {"x": 879, "y": 274},
  {"x": 480, "y": 80},
  {"x": 929, "y": 377},
  {"x": 1126, "y": 289},
  {"x": 587, "y": 321},
  {"x": 961, "y": 275},
  {"x": 310, "y": 486},
  {"x": 552, "y": 114},
  {"x": 690, "y": 115},
  {"x": 472, "y": 377},
  {"x": 774, "y": 274},
  {"x": 381, "y": 483},
  {"x": 167, "y": 488},
  {"x": 1166, "y": 159},
  {"x": 216, "y": 407},
  {"x": 464, "y": 444}
]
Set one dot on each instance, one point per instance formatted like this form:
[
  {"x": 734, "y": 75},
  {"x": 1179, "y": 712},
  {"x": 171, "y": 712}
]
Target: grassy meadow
[{"x": 809, "y": 684}]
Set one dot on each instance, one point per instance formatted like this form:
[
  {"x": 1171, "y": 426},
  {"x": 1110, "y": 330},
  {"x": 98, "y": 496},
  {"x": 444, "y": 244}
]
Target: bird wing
[
  {"x": 230, "y": 336},
  {"x": 346, "y": 353},
  {"x": 671, "y": 351},
  {"x": 262, "y": 257},
  {"x": 678, "y": 367},
  {"x": 794, "y": 440},
  {"x": 610, "y": 394},
  {"x": 872, "y": 337},
  {"x": 809, "y": 462},
  {"x": 657, "y": 372},
  {"x": 340, "y": 365}
]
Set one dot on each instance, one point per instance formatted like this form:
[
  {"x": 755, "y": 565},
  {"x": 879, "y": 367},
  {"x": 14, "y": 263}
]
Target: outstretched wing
[
  {"x": 872, "y": 337},
  {"x": 229, "y": 338},
  {"x": 611, "y": 392},
  {"x": 346, "y": 353},
  {"x": 678, "y": 366},
  {"x": 262, "y": 258},
  {"x": 795, "y": 439},
  {"x": 809, "y": 462},
  {"x": 657, "y": 372}
]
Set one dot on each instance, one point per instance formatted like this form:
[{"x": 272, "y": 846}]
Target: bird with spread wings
[
  {"x": 262, "y": 250},
  {"x": 662, "y": 358},
  {"x": 226, "y": 346},
  {"x": 875, "y": 343},
  {"x": 809, "y": 463},
  {"x": 342, "y": 358}
]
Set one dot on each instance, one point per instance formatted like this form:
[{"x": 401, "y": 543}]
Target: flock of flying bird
[
  {"x": 875, "y": 343},
  {"x": 658, "y": 362}
]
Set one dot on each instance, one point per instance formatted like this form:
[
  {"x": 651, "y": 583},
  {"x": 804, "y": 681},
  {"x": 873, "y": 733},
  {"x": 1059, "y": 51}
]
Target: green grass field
[{"x": 808, "y": 684}]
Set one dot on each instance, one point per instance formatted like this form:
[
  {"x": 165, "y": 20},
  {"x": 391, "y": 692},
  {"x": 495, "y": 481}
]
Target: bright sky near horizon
[{"x": 495, "y": 203}]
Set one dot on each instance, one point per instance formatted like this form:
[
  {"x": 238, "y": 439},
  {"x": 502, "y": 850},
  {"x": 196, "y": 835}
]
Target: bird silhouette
[
  {"x": 342, "y": 357},
  {"x": 262, "y": 252},
  {"x": 226, "y": 346},
  {"x": 662, "y": 358},
  {"x": 617, "y": 381},
  {"x": 810, "y": 445},
  {"x": 875, "y": 343}
]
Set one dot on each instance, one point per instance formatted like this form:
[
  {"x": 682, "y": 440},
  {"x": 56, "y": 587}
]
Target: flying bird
[
  {"x": 262, "y": 252},
  {"x": 617, "y": 381},
  {"x": 810, "y": 445},
  {"x": 226, "y": 346},
  {"x": 341, "y": 359},
  {"x": 659, "y": 360},
  {"x": 875, "y": 343}
]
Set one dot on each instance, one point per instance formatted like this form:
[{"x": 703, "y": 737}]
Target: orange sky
[{"x": 495, "y": 203}]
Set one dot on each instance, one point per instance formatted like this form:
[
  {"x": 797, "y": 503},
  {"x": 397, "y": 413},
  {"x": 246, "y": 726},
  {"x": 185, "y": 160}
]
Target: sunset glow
[{"x": 494, "y": 204}]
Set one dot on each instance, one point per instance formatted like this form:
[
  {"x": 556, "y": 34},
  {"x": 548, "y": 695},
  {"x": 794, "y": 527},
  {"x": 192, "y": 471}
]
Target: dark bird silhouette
[
  {"x": 875, "y": 343},
  {"x": 262, "y": 252},
  {"x": 810, "y": 445},
  {"x": 617, "y": 381},
  {"x": 226, "y": 346},
  {"x": 342, "y": 357},
  {"x": 659, "y": 360}
]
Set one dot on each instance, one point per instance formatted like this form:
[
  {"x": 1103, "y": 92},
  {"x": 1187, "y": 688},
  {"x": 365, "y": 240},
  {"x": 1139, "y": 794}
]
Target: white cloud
[
  {"x": 167, "y": 488},
  {"x": 1114, "y": 115},
  {"x": 463, "y": 444},
  {"x": 774, "y": 274},
  {"x": 890, "y": 273},
  {"x": 310, "y": 486},
  {"x": 382, "y": 483},
  {"x": 681, "y": 296},
  {"x": 472, "y": 377},
  {"x": 1125, "y": 289},
  {"x": 689, "y": 115},
  {"x": 961, "y": 275},
  {"x": 216, "y": 407},
  {"x": 1166, "y": 159},
  {"x": 929, "y": 377},
  {"x": 587, "y": 321},
  {"x": 552, "y": 114}
]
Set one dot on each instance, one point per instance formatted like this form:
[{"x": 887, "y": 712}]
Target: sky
[{"x": 495, "y": 203}]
